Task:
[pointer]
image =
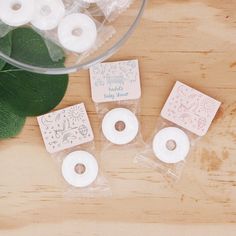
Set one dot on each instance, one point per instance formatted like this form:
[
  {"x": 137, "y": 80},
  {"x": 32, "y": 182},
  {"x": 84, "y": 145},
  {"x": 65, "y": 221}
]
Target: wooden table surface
[{"x": 190, "y": 41}]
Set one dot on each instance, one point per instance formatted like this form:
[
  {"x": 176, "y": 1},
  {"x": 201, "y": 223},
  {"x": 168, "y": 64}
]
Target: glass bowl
[{"x": 124, "y": 25}]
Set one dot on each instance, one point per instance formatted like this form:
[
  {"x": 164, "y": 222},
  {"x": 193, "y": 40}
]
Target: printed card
[
  {"x": 115, "y": 81},
  {"x": 65, "y": 128},
  {"x": 190, "y": 109}
]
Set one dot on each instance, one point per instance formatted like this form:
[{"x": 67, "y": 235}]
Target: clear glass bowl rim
[{"x": 72, "y": 69}]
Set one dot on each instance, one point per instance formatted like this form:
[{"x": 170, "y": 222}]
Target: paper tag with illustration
[
  {"x": 115, "y": 81},
  {"x": 65, "y": 128},
  {"x": 190, "y": 109}
]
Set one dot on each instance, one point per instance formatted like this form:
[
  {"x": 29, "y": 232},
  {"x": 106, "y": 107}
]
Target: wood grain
[{"x": 186, "y": 40}]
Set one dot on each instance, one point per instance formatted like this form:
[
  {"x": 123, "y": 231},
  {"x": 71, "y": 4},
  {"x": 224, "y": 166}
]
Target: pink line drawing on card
[{"x": 190, "y": 109}]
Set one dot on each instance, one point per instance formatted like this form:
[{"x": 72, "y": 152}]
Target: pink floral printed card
[
  {"x": 115, "y": 81},
  {"x": 65, "y": 128},
  {"x": 190, "y": 109}
]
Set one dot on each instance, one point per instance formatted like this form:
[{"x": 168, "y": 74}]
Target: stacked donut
[{"x": 76, "y": 32}]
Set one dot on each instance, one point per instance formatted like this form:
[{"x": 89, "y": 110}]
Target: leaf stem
[{"x": 10, "y": 70}]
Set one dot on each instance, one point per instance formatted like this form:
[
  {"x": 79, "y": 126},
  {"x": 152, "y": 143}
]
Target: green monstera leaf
[
  {"x": 30, "y": 48},
  {"x": 24, "y": 93},
  {"x": 31, "y": 94},
  {"x": 10, "y": 122}
]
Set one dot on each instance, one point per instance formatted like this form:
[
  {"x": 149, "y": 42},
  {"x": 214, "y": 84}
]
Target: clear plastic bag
[
  {"x": 4, "y": 29},
  {"x": 170, "y": 166},
  {"x": 105, "y": 33},
  {"x": 186, "y": 116},
  {"x": 69, "y": 138},
  {"x": 116, "y": 92},
  {"x": 113, "y": 8},
  {"x": 99, "y": 186}
]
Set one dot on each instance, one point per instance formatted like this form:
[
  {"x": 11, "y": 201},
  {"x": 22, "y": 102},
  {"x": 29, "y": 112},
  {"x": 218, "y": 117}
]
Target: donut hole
[
  {"x": 77, "y": 32},
  {"x": 45, "y": 10},
  {"x": 80, "y": 169},
  {"x": 171, "y": 145},
  {"x": 120, "y": 126},
  {"x": 16, "y": 6}
]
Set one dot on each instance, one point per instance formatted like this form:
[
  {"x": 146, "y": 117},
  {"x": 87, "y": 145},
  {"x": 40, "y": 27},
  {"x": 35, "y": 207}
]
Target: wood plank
[{"x": 191, "y": 41}]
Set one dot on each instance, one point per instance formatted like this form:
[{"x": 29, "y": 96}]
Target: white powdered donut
[
  {"x": 130, "y": 122},
  {"x": 90, "y": 169},
  {"x": 48, "y": 14},
  {"x": 16, "y": 12},
  {"x": 180, "y": 149},
  {"x": 77, "y": 32}
]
